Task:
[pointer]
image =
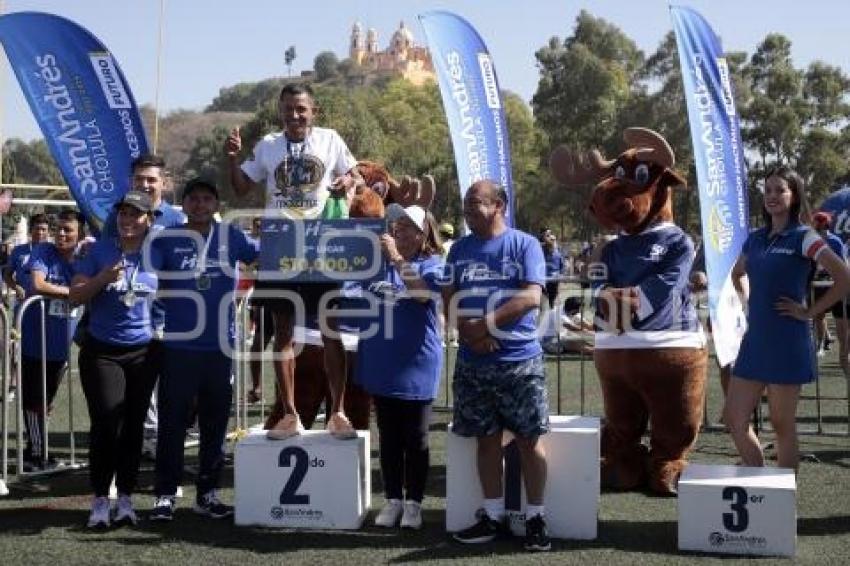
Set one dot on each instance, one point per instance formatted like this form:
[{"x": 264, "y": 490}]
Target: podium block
[
  {"x": 738, "y": 510},
  {"x": 312, "y": 481},
  {"x": 572, "y": 486}
]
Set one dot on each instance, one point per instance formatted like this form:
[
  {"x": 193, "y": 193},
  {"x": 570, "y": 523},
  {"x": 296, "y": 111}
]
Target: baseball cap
[
  {"x": 199, "y": 183},
  {"x": 393, "y": 212},
  {"x": 136, "y": 199},
  {"x": 416, "y": 214}
]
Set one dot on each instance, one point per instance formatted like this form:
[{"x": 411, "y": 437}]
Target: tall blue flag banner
[
  {"x": 82, "y": 104},
  {"x": 472, "y": 102},
  {"x": 721, "y": 172}
]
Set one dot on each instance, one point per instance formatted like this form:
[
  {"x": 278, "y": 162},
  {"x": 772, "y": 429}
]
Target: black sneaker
[
  {"x": 209, "y": 505},
  {"x": 537, "y": 535},
  {"x": 484, "y": 530},
  {"x": 163, "y": 509}
]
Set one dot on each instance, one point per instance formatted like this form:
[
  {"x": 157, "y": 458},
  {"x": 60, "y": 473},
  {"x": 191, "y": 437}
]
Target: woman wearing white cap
[{"x": 400, "y": 363}]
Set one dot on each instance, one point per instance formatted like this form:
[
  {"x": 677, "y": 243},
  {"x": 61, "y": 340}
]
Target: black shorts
[
  {"x": 841, "y": 309},
  {"x": 310, "y": 296}
]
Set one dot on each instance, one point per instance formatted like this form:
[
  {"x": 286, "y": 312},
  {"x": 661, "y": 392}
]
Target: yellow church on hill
[{"x": 403, "y": 57}]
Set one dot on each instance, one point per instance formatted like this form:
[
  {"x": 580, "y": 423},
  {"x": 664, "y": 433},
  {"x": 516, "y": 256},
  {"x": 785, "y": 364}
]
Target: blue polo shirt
[
  {"x": 400, "y": 351},
  {"x": 180, "y": 252},
  {"x": 59, "y": 321},
  {"x": 486, "y": 274},
  {"x": 778, "y": 349},
  {"x": 110, "y": 319}
]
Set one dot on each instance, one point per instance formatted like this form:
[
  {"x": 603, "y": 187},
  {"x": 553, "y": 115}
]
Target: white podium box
[
  {"x": 312, "y": 481},
  {"x": 738, "y": 510},
  {"x": 572, "y": 486}
]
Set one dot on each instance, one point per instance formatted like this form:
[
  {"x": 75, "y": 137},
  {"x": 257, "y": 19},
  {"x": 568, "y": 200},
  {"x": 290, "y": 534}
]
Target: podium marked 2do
[{"x": 308, "y": 481}]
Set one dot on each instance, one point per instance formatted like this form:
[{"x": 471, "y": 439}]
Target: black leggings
[
  {"x": 403, "y": 442},
  {"x": 552, "y": 292},
  {"x": 117, "y": 382},
  {"x": 31, "y": 397}
]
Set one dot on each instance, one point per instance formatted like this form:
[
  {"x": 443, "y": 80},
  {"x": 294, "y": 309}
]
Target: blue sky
[{"x": 213, "y": 43}]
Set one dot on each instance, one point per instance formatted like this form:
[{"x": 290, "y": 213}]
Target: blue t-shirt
[
  {"x": 180, "y": 255},
  {"x": 777, "y": 348},
  {"x": 110, "y": 319},
  {"x": 18, "y": 260},
  {"x": 403, "y": 356},
  {"x": 554, "y": 265},
  {"x": 481, "y": 269},
  {"x": 59, "y": 322},
  {"x": 166, "y": 217},
  {"x": 658, "y": 262}
]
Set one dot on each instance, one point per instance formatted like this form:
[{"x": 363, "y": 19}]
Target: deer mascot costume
[
  {"x": 311, "y": 385},
  {"x": 650, "y": 349}
]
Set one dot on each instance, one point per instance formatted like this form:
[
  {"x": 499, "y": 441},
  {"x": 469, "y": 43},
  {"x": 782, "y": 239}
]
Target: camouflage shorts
[{"x": 503, "y": 395}]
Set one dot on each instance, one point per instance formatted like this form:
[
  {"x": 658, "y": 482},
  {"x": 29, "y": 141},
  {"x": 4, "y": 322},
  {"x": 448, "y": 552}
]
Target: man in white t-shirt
[{"x": 300, "y": 169}]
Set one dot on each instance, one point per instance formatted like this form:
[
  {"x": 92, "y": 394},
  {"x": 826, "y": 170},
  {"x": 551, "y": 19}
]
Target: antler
[
  {"x": 650, "y": 145},
  {"x": 414, "y": 191},
  {"x": 574, "y": 168}
]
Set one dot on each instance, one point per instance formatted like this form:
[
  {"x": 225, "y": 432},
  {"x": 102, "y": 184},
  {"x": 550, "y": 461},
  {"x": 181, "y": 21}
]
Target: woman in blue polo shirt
[
  {"x": 117, "y": 281},
  {"x": 399, "y": 358},
  {"x": 778, "y": 261}
]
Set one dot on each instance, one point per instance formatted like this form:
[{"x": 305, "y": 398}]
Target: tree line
[{"x": 593, "y": 83}]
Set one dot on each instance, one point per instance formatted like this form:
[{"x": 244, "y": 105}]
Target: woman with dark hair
[
  {"x": 777, "y": 261},
  {"x": 399, "y": 358},
  {"x": 117, "y": 373}
]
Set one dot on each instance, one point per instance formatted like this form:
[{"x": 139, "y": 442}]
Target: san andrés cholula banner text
[{"x": 81, "y": 102}]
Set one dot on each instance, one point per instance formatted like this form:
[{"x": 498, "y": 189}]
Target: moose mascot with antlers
[{"x": 650, "y": 348}]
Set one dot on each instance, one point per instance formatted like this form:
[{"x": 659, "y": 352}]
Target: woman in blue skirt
[{"x": 777, "y": 352}]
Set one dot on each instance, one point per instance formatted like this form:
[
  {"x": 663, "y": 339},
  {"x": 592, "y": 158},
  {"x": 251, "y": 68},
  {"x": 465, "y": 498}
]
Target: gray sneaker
[{"x": 209, "y": 505}]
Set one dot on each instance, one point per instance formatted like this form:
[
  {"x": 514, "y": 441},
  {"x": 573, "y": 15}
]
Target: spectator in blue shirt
[
  {"x": 15, "y": 274},
  {"x": 554, "y": 264},
  {"x": 51, "y": 269}
]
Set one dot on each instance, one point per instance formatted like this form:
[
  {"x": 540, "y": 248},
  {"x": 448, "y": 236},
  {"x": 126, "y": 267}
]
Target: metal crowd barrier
[{"x": 4, "y": 390}]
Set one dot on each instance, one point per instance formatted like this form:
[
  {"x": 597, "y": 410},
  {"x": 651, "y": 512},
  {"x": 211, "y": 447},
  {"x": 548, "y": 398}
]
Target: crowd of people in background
[{"x": 143, "y": 389}]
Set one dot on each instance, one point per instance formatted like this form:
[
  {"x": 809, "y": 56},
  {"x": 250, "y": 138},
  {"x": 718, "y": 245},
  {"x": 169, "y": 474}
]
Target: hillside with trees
[{"x": 593, "y": 82}]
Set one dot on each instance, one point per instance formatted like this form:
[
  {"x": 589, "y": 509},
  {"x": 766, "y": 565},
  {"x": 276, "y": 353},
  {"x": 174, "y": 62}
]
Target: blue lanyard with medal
[
  {"x": 202, "y": 280},
  {"x": 129, "y": 297}
]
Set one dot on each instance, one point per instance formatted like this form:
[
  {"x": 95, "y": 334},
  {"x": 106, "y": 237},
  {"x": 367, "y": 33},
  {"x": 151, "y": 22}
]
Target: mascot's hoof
[
  {"x": 664, "y": 480},
  {"x": 664, "y": 488}
]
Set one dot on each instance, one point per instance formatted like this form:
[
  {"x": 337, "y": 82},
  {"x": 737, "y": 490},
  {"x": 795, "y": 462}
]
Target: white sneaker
[
  {"x": 99, "y": 517},
  {"x": 412, "y": 517},
  {"x": 390, "y": 514},
  {"x": 124, "y": 512}
]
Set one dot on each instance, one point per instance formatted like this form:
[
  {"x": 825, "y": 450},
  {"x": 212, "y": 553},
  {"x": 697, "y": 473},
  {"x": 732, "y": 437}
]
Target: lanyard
[
  {"x": 201, "y": 264},
  {"x": 129, "y": 277}
]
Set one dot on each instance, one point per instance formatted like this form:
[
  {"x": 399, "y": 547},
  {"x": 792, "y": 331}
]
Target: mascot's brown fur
[
  {"x": 660, "y": 386},
  {"x": 311, "y": 384}
]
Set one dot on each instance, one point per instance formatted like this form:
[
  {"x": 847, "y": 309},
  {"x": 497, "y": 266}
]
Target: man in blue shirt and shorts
[{"x": 494, "y": 279}]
